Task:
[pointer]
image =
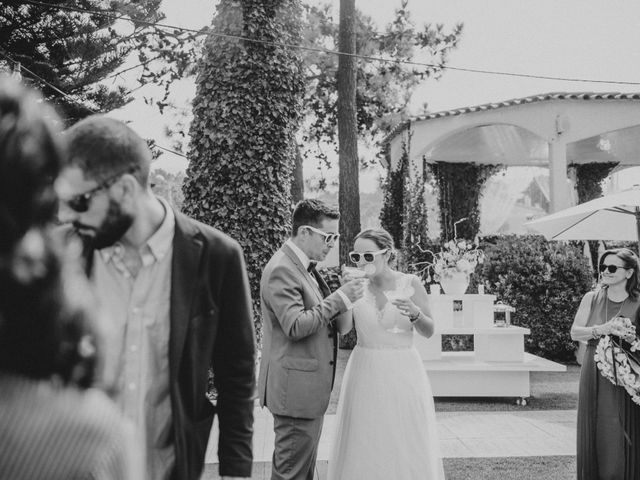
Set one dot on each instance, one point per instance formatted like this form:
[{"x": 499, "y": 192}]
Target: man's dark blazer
[{"x": 211, "y": 323}]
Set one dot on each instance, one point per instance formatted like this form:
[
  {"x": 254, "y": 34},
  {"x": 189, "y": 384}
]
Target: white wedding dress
[{"x": 386, "y": 426}]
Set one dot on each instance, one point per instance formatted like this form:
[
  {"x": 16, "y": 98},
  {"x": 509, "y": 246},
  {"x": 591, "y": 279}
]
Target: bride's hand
[{"x": 406, "y": 307}]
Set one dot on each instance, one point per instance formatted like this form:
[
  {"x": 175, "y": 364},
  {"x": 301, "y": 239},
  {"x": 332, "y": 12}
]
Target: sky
[{"x": 583, "y": 39}]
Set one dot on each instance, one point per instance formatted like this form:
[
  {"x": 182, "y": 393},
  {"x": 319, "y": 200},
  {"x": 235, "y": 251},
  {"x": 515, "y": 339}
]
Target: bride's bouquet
[{"x": 619, "y": 360}]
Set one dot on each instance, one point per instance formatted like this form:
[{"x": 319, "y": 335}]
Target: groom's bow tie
[{"x": 311, "y": 267}]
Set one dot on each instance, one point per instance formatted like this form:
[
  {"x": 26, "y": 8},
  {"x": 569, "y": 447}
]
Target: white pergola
[{"x": 552, "y": 130}]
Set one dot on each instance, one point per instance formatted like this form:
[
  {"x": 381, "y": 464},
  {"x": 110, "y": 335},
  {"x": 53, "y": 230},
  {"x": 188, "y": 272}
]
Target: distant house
[
  {"x": 537, "y": 194},
  {"x": 534, "y": 202}
]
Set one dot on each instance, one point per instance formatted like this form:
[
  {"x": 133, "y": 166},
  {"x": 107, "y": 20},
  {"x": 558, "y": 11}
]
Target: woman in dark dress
[{"x": 608, "y": 420}]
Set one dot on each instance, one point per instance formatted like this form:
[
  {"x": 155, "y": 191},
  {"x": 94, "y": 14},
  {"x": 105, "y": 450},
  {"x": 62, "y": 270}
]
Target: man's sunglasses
[
  {"x": 328, "y": 237},
  {"x": 81, "y": 202},
  {"x": 368, "y": 256},
  {"x": 611, "y": 268}
]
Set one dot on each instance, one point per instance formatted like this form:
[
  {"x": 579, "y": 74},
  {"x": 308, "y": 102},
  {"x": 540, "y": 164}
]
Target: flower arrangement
[
  {"x": 456, "y": 256},
  {"x": 619, "y": 363}
]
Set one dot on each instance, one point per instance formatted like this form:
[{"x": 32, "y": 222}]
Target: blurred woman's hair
[
  {"x": 381, "y": 238},
  {"x": 31, "y": 155},
  {"x": 630, "y": 262},
  {"x": 45, "y": 329}
]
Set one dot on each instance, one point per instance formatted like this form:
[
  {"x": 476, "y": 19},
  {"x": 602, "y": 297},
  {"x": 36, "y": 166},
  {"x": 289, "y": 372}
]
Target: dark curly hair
[
  {"x": 31, "y": 155},
  {"x": 45, "y": 330}
]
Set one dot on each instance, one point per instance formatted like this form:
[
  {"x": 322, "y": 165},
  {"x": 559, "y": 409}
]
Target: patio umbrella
[{"x": 612, "y": 217}]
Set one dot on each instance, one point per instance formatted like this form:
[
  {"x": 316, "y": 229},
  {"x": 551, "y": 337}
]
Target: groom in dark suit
[
  {"x": 176, "y": 299},
  {"x": 300, "y": 339}
]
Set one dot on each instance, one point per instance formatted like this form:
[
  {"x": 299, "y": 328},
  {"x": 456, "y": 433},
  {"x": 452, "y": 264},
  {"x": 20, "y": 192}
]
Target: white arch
[{"x": 557, "y": 119}]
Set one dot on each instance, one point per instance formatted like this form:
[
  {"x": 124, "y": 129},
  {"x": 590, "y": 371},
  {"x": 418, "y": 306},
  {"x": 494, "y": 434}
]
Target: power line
[
  {"x": 38, "y": 77},
  {"x": 69, "y": 97},
  {"x": 205, "y": 30},
  {"x": 170, "y": 151},
  {"x": 120, "y": 72},
  {"x": 112, "y": 15}
]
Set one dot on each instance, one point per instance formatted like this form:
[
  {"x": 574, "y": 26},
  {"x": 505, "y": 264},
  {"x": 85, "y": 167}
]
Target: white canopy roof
[{"x": 554, "y": 129}]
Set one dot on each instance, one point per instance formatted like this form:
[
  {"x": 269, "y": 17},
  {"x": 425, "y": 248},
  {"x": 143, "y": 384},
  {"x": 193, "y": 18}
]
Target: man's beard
[{"x": 114, "y": 226}]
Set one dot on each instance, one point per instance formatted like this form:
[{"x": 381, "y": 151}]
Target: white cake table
[{"x": 498, "y": 366}]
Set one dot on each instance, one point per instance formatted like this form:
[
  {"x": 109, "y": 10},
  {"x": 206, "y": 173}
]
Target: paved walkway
[{"x": 462, "y": 434}]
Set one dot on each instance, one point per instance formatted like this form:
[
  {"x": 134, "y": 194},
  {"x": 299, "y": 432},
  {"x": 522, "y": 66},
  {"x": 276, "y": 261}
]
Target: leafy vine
[
  {"x": 246, "y": 112},
  {"x": 459, "y": 190},
  {"x": 393, "y": 208}
]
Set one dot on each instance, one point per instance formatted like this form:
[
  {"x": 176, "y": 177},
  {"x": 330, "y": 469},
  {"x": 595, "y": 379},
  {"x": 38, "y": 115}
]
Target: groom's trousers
[{"x": 296, "y": 447}]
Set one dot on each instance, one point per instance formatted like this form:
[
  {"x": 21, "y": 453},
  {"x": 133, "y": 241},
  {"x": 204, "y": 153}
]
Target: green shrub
[{"x": 544, "y": 281}]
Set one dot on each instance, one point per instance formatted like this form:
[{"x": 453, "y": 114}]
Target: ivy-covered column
[
  {"x": 393, "y": 208},
  {"x": 459, "y": 189},
  {"x": 246, "y": 111},
  {"x": 589, "y": 177},
  {"x": 415, "y": 228}
]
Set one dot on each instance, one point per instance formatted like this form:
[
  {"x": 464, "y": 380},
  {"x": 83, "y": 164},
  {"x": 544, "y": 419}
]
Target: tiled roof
[{"x": 516, "y": 101}]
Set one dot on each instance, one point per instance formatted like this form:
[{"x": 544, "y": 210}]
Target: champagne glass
[
  {"x": 353, "y": 272},
  {"x": 391, "y": 297}
]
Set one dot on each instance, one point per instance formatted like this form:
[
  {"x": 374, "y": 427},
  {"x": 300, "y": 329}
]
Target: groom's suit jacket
[
  {"x": 211, "y": 324},
  {"x": 299, "y": 342}
]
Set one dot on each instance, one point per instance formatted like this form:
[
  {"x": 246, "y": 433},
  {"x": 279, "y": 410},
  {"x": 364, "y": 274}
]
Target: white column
[{"x": 558, "y": 185}]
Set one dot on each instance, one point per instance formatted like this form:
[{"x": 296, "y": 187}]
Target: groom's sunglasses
[
  {"x": 611, "y": 268},
  {"x": 329, "y": 238},
  {"x": 368, "y": 256}
]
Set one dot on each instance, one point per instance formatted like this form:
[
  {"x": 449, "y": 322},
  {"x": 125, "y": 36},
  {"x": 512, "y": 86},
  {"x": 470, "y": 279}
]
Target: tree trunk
[
  {"x": 297, "y": 182},
  {"x": 349, "y": 188}
]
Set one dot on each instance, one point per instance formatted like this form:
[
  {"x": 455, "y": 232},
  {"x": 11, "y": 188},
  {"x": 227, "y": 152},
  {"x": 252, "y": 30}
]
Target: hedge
[{"x": 544, "y": 281}]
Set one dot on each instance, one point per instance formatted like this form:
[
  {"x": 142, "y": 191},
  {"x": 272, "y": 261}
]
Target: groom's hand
[{"x": 353, "y": 289}]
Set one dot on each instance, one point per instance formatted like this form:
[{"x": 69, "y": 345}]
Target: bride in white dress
[{"x": 386, "y": 426}]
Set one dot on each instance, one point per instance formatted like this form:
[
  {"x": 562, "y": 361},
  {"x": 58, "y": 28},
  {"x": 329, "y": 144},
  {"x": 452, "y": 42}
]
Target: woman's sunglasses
[
  {"x": 611, "y": 268},
  {"x": 368, "y": 256}
]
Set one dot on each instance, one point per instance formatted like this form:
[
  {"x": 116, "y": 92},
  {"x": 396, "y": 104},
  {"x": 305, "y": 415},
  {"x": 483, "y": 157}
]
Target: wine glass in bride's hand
[{"x": 398, "y": 299}]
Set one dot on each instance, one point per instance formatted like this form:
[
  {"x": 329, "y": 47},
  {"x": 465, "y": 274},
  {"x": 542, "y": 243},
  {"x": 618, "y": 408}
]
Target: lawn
[
  {"x": 549, "y": 391},
  {"x": 509, "y": 468}
]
